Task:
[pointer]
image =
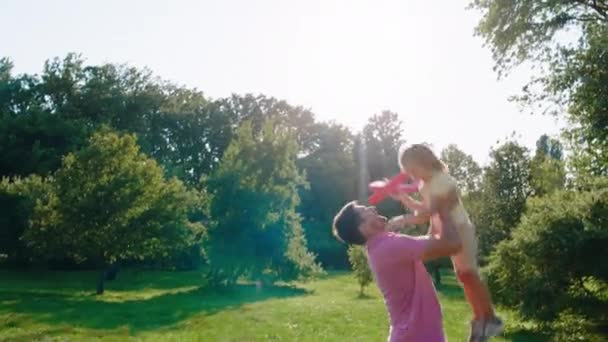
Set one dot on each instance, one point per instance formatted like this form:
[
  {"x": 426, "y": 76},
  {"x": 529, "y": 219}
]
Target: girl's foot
[
  {"x": 494, "y": 327},
  {"x": 477, "y": 332}
]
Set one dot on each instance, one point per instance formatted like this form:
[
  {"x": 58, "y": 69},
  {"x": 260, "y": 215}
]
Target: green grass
[{"x": 170, "y": 306}]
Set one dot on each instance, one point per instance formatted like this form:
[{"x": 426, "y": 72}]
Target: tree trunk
[
  {"x": 107, "y": 273},
  {"x": 100, "y": 281}
]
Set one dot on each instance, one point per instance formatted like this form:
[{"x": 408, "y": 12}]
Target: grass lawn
[{"x": 170, "y": 306}]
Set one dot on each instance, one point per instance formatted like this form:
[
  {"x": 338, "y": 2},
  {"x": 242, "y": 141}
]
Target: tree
[
  {"x": 18, "y": 198},
  {"x": 256, "y": 231},
  {"x": 331, "y": 173},
  {"x": 547, "y": 147},
  {"x": 32, "y": 138},
  {"x": 463, "y": 168},
  {"x": 572, "y": 73},
  {"x": 550, "y": 265},
  {"x": 380, "y": 140},
  {"x": 547, "y": 171},
  {"x": 173, "y": 123},
  {"x": 357, "y": 256},
  {"x": 257, "y": 110},
  {"x": 383, "y": 138},
  {"x": 583, "y": 81},
  {"x": 505, "y": 188},
  {"x": 109, "y": 203},
  {"x": 34, "y": 143},
  {"x": 522, "y": 30},
  {"x": 189, "y": 134}
]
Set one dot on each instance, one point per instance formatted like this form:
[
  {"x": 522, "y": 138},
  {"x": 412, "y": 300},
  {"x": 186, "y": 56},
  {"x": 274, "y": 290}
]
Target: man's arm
[
  {"x": 445, "y": 244},
  {"x": 425, "y": 247}
]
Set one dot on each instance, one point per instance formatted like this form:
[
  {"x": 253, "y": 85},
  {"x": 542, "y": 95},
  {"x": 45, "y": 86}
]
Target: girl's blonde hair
[{"x": 423, "y": 156}]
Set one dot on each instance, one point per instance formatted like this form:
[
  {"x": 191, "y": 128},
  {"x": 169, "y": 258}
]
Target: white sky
[{"x": 344, "y": 59}]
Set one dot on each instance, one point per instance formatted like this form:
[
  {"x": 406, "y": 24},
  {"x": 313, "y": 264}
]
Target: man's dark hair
[{"x": 346, "y": 225}]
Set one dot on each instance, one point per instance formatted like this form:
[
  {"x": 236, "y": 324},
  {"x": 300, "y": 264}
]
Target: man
[{"x": 397, "y": 263}]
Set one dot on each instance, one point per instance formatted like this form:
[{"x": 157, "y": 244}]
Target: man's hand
[
  {"x": 395, "y": 223},
  {"x": 447, "y": 243}
]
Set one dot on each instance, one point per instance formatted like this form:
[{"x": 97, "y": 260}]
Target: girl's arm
[{"x": 409, "y": 202}]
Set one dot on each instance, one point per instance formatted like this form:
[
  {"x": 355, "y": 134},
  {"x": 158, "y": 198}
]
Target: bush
[
  {"x": 572, "y": 327},
  {"x": 358, "y": 261},
  {"x": 552, "y": 262}
]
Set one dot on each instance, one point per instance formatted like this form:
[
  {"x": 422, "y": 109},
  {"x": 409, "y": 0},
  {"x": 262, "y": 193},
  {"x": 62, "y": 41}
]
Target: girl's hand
[{"x": 403, "y": 198}]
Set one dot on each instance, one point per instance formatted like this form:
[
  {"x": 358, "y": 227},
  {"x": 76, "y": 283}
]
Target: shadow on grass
[
  {"x": 67, "y": 281},
  {"x": 364, "y": 296},
  {"x": 526, "y": 336},
  {"x": 137, "y": 315}
]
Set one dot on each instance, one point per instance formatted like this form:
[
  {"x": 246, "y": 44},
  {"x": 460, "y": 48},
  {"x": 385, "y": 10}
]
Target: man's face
[{"x": 371, "y": 221}]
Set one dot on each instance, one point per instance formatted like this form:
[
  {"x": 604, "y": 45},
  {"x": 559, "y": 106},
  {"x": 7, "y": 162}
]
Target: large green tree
[
  {"x": 109, "y": 202},
  {"x": 256, "y": 231},
  {"x": 257, "y": 110},
  {"x": 376, "y": 154},
  {"x": 505, "y": 188},
  {"x": 583, "y": 84},
  {"x": 33, "y": 137},
  {"x": 547, "y": 169},
  {"x": 383, "y": 136},
  {"x": 463, "y": 168},
  {"x": 524, "y": 30},
  {"x": 568, "y": 41},
  {"x": 331, "y": 173},
  {"x": 18, "y": 198}
]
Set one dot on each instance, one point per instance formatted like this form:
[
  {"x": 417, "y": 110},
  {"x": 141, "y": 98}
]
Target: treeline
[{"x": 106, "y": 165}]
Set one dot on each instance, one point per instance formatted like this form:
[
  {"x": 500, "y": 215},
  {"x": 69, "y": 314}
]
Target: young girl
[{"x": 420, "y": 162}]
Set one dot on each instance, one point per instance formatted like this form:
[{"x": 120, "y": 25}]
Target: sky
[{"x": 343, "y": 59}]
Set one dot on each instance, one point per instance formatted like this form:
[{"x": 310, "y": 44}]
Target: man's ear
[{"x": 363, "y": 228}]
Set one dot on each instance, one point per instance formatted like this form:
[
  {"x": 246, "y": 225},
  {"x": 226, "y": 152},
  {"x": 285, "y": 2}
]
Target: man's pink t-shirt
[{"x": 409, "y": 294}]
